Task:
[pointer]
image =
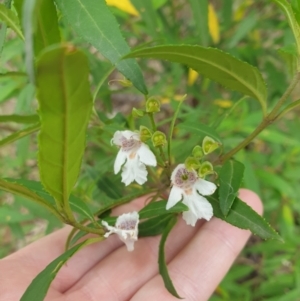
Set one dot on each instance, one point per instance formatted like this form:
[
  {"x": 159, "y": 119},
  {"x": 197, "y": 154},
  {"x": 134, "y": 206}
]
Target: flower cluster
[{"x": 187, "y": 180}]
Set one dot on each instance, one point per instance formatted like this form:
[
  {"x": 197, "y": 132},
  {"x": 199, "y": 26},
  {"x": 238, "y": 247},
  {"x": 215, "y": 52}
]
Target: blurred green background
[{"x": 253, "y": 31}]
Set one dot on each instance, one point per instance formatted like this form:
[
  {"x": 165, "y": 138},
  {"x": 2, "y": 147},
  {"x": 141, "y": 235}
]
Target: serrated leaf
[
  {"x": 290, "y": 15},
  {"x": 38, "y": 288},
  {"x": 159, "y": 208},
  {"x": 154, "y": 226},
  {"x": 46, "y": 30},
  {"x": 163, "y": 269},
  {"x": 230, "y": 177},
  {"x": 18, "y": 187},
  {"x": 199, "y": 129},
  {"x": 76, "y": 204},
  {"x": 243, "y": 216},
  {"x": 20, "y": 118},
  {"x": 65, "y": 104},
  {"x": 11, "y": 20},
  {"x": 214, "y": 64},
  {"x": 94, "y": 22},
  {"x": 81, "y": 207},
  {"x": 19, "y": 134}
]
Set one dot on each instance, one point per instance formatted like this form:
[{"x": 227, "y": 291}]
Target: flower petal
[
  {"x": 117, "y": 138},
  {"x": 120, "y": 160},
  {"x": 131, "y": 135},
  {"x": 146, "y": 156},
  {"x": 205, "y": 187},
  {"x": 190, "y": 218},
  {"x": 202, "y": 207},
  {"x": 174, "y": 197},
  {"x": 133, "y": 170}
]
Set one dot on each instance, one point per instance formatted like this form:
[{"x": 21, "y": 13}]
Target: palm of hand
[{"x": 198, "y": 258}]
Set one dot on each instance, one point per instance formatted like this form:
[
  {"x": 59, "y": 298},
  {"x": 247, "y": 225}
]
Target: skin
[{"x": 198, "y": 258}]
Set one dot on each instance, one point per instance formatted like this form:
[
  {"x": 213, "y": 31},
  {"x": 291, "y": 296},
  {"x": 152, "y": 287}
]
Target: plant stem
[{"x": 270, "y": 118}]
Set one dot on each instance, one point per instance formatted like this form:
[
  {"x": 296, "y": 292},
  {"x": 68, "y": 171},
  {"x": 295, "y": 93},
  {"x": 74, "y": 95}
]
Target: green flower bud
[
  {"x": 137, "y": 113},
  {"x": 152, "y": 105},
  {"x": 205, "y": 169},
  {"x": 197, "y": 152},
  {"x": 125, "y": 83},
  {"x": 159, "y": 139},
  {"x": 145, "y": 133},
  {"x": 192, "y": 163},
  {"x": 209, "y": 145}
]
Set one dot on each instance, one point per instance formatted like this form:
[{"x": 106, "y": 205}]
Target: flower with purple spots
[
  {"x": 126, "y": 228},
  {"x": 132, "y": 157},
  {"x": 189, "y": 188}
]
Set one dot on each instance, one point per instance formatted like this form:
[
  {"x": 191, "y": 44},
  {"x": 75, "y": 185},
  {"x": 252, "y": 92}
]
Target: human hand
[{"x": 198, "y": 258}]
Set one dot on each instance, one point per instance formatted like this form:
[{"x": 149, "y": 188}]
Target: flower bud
[
  {"x": 205, "y": 169},
  {"x": 209, "y": 145},
  {"x": 197, "y": 152},
  {"x": 152, "y": 105},
  {"x": 123, "y": 82},
  {"x": 145, "y": 133},
  {"x": 192, "y": 163},
  {"x": 137, "y": 113},
  {"x": 159, "y": 139}
]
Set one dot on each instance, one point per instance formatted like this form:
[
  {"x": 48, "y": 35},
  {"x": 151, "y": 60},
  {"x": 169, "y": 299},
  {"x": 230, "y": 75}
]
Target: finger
[
  {"x": 122, "y": 273},
  {"x": 201, "y": 265},
  {"x": 29, "y": 261}
]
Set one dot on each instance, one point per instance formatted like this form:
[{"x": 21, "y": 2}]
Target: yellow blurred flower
[
  {"x": 124, "y": 5},
  {"x": 213, "y": 24}
]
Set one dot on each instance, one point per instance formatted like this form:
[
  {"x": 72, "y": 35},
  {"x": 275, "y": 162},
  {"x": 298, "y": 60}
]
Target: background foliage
[{"x": 255, "y": 32}]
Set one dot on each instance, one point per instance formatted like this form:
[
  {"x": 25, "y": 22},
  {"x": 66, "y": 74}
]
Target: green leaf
[
  {"x": 40, "y": 28},
  {"x": 17, "y": 187},
  {"x": 230, "y": 177},
  {"x": 200, "y": 13},
  {"x": 65, "y": 105},
  {"x": 76, "y": 204},
  {"x": 81, "y": 207},
  {"x": 243, "y": 216},
  {"x": 148, "y": 14},
  {"x": 214, "y": 64},
  {"x": 289, "y": 55},
  {"x": 287, "y": 9},
  {"x": 11, "y": 20},
  {"x": 10, "y": 215},
  {"x": 199, "y": 129},
  {"x": 159, "y": 208},
  {"x": 94, "y": 22},
  {"x": 24, "y": 119},
  {"x": 244, "y": 27},
  {"x": 38, "y": 288},
  {"x": 28, "y": 28},
  {"x": 155, "y": 225},
  {"x": 163, "y": 269},
  {"x": 19, "y": 134},
  {"x": 18, "y": 4},
  {"x": 46, "y": 30}
]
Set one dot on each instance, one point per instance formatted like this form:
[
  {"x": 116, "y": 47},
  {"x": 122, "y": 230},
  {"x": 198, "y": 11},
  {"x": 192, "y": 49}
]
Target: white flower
[
  {"x": 135, "y": 154},
  {"x": 187, "y": 186},
  {"x": 126, "y": 227}
]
